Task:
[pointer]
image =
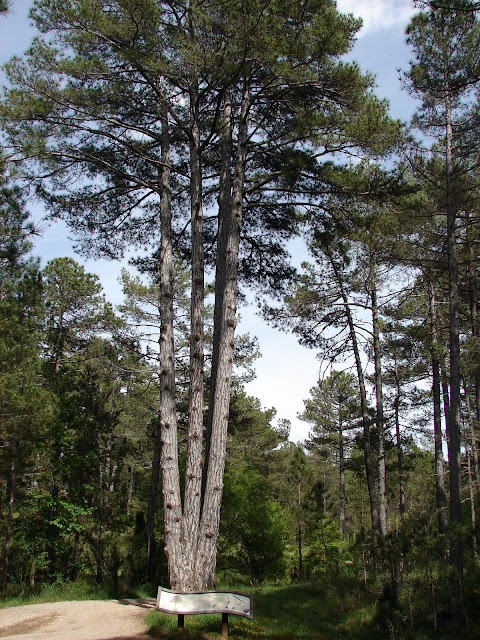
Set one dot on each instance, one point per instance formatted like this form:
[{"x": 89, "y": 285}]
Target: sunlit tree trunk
[
  {"x": 227, "y": 268},
  {"x": 172, "y": 507}
]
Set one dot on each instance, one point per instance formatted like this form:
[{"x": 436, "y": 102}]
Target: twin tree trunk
[{"x": 191, "y": 531}]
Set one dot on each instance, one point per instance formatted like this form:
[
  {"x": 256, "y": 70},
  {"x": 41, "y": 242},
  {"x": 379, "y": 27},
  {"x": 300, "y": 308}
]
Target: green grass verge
[
  {"x": 306, "y": 612},
  {"x": 58, "y": 591}
]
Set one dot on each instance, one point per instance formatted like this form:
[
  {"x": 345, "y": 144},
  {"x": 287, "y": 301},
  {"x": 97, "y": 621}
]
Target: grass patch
[
  {"x": 306, "y": 612},
  {"x": 58, "y": 591}
]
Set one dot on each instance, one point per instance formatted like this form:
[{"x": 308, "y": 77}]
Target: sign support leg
[
  {"x": 181, "y": 623},
  {"x": 224, "y": 625}
]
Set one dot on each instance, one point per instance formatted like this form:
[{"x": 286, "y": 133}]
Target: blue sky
[{"x": 286, "y": 371}]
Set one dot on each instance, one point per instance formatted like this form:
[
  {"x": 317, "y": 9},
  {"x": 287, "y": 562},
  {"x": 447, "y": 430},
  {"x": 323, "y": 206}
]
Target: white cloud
[{"x": 378, "y": 14}]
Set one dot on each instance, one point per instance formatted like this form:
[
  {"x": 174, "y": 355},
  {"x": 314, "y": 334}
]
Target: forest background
[{"x": 388, "y": 301}]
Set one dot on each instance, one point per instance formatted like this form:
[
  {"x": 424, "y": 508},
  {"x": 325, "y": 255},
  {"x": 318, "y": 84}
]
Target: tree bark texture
[
  {"x": 224, "y": 212},
  {"x": 227, "y": 267},
  {"x": 191, "y": 533},
  {"x": 172, "y": 508},
  {"x": 193, "y": 473}
]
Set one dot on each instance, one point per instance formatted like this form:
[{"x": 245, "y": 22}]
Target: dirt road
[{"x": 85, "y": 620}]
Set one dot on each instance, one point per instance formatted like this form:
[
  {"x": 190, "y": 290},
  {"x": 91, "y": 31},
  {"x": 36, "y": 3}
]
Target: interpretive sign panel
[{"x": 198, "y": 602}]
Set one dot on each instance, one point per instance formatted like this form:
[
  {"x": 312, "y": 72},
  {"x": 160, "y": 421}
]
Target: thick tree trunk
[
  {"x": 227, "y": 270},
  {"x": 437, "y": 420},
  {"x": 367, "y": 448},
  {"x": 224, "y": 212},
  {"x": 193, "y": 473},
  {"x": 382, "y": 473},
  {"x": 11, "y": 487},
  {"x": 172, "y": 508}
]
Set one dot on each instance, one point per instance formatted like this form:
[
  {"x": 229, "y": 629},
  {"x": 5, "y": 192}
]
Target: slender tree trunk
[
  {"x": 474, "y": 420},
  {"x": 382, "y": 473},
  {"x": 367, "y": 449},
  {"x": 437, "y": 419},
  {"x": 76, "y": 552},
  {"x": 11, "y": 487},
  {"x": 228, "y": 263},
  {"x": 34, "y": 555},
  {"x": 446, "y": 402},
  {"x": 401, "y": 474},
  {"x": 474, "y": 315},
  {"x": 99, "y": 576},
  {"x": 473, "y": 445},
  {"x": 454, "y": 423},
  {"x": 341, "y": 464},
  {"x": 299, "y": 516},
  {"x": 472, "y": 502}
]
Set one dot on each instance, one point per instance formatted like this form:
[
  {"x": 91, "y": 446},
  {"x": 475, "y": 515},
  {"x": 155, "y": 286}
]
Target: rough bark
[
  {"x": 224, "y": 210},
  {"x": 227, "y": 268},
  {"x": 193, "y": 473},
  {"x": 169, "y": 455}
]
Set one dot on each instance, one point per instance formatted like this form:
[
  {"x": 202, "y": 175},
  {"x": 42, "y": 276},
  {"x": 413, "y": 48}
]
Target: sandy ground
[{"x": 85, "y": 620}]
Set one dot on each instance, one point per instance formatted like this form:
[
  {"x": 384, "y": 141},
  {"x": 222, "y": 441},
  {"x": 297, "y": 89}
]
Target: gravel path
[{"x": 77, "y": 620}]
